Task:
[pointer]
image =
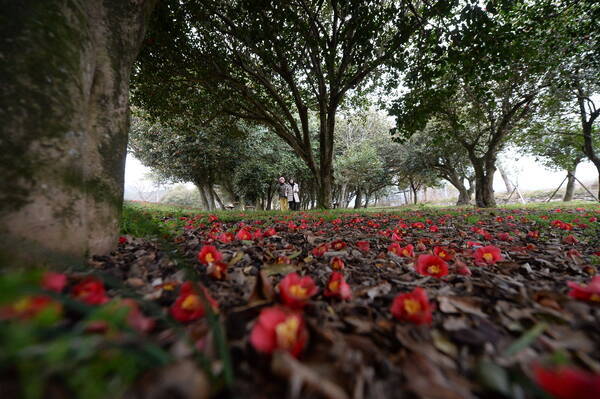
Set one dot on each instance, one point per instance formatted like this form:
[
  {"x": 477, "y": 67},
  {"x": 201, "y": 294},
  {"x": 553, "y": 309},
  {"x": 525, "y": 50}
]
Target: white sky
[{"x": 529, "y": 174}]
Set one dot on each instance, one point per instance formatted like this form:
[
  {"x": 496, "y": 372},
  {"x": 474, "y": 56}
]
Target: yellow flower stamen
[
  {"x": 287, "y": 332},
  {"x": 209, "y": 258},
  {"x": 488, "y": 256},
  {"x": 411, "y": 306},
  {"x": 298, "y": 291},
  {"x": 191, "y": 302},
  {"x": 334, "y": 286},
  {"x": 434, "y": 269},
  {"x": 595, "y": 298}
]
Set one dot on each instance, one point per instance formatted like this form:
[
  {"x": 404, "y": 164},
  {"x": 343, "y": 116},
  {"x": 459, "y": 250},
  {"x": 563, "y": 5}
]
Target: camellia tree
[
  {"x": 484, "y": 72},
  {"x": 275, "y": 63},
  {"x": 447, "y": 159},
  {"x": 182, "y": 152},
  {"x": 558, "y": 144}
]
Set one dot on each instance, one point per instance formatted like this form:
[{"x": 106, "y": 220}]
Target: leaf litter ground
[{"x": 489, "y": 329}]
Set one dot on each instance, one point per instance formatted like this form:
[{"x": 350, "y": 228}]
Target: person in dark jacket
[{"x": 284, "y": 189}]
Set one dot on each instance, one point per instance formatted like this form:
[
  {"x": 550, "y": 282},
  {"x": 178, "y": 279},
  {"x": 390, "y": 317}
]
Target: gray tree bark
[
  {"x": 64, "y": 107},
  {"x": 505, "y": 178}
]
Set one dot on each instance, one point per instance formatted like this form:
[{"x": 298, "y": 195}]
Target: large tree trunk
[
  {"x": 210, "y": 196},
  {"x": 358, "y": 200},
  {"x": 203, "y": 196},
  {"x": 64, "y": 107},
  {"x": 484, "y": 183}
]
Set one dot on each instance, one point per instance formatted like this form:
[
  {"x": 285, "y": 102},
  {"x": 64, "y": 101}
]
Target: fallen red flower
[
  {"x": 364, "y": 246},
  {"x": 487, "y": 255},
  {"x": 320, "y": 250},
  {"x": 337, "y": 263},
  {"x": 189, "y": 306},
  {"x": 583, "y": 292},
  {"x": 338, "y": 287},
  {"x": 279, "y": 329},
  {"x": 413, "y": 306},
  {"x": 568, "y": 383},
  {"x": 295, "y": 291},
  {"x": 54, "y": 281},
  {"x": 243, "y": 235},
  {"x": 217, "y": 270},
  {"x": 209, "y": 254},
  {"x": 29, "y": 307},
  {"x": 431, "y": 265},
  {"x": 91, "y": 291},
  {"x": 338, "y": 245},
  {"x": 443, "y": 253}
]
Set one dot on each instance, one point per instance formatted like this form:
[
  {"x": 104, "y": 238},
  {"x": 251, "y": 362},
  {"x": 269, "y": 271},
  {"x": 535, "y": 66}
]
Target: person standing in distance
[
  {"x": 283, "y": 194},
  {"x": 294, "y": 197}
]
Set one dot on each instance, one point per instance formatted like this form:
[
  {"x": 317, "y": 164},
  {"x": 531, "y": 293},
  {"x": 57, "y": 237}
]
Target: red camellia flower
[
  {"x": 269, "y": 232},
  {"x": 217, "y": 270},
  {"x": 487, "y": 255},
  {"x": 338, "y": 287},
  {"x": 243, "y": 235},
  {"x": 418, "y": 225},
  {"x": 570, "y": 239},
  {"x": 320, "y": 250},
  {"x": 443, "y": 253},
  {"x": 209, "y": 254},
  {"x": 188, "y": 306},
  {"x": 279, "y": 329},
  {"x": 91, "y": 291},
  {"x": 122, "y": 240},
  {"x": 431, "y": 265},
  {"x": 364, "y": 246},
  {"x": 135, "y": 317},
  {"x": 434, "y": 229},
  {"x": 413, "y": 306},
  {"x": 534, "y": 234},
  {"x": 337, "y": 263},
  {"x": 212, "y": 218},
  {"x": 583, "y": 292},
  {"x": 29, "y": 307},
  {"x": 225, "y": 237},
  {"x": 295, "y": 291},
  {"x": 54, "y": 281},
  {"x": 338, "y": 245},
  {"x": 568, "y": 383}
]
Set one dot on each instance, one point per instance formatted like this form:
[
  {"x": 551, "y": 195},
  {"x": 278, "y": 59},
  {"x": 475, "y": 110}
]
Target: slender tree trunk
[
  {"x": 216, "y": 196},
  {"x": 210, "y": 196},
  {"x": 570, "y": 184},
  {"x": 64, "y": 107},
  {"x": 505, "y": 178},
  {"x": 367, "y": 199}
]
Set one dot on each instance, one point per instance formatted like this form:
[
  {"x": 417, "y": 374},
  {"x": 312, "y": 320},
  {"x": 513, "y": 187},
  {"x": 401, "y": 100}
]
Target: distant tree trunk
[
  {"x": 203, "y": 196},
  {"x": 425, "y": 194},
  {"x": 507, "y": 182},
  {"x": 571, "y": 182},
  {"x": 210, "y": 196},
  {"x": 64, "y": 107},
  {"x": 414, "y": 190},
  {"x": 587, "y": 124},
  {"x": 367, "y": 199},
  {"x": 216, "y": 196},
  {"x": 358, "y": 199}
]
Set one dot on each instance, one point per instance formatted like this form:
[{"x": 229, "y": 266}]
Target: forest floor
[{"x": 512, "y": 325}]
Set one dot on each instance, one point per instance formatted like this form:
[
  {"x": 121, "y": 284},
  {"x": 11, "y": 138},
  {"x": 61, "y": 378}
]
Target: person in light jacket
[{"x": 294, "y": 196}]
